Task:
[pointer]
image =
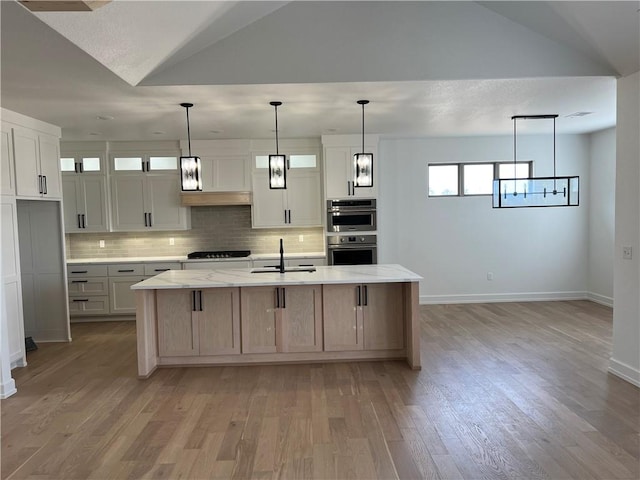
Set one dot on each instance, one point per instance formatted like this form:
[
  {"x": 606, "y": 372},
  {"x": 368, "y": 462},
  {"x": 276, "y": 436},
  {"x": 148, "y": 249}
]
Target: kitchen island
[{"x": 240, "y": 316}]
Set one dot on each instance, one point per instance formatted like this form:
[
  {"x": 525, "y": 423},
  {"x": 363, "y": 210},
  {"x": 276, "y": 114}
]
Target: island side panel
[
  {"x": 412, "y": 322},
  {"x": 146, "y": 332}
]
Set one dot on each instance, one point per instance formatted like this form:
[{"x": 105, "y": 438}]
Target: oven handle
[
  {"x": 359, "y": 246},
  {"x": 348, "y": 211}
]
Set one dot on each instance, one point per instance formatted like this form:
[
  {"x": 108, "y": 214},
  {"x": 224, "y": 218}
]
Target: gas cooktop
[{"x": 220, "y": 254}]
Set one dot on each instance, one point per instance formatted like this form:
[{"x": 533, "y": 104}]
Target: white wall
[
  {"x": 625, "y": 360},
  {"x": 533, "y": 253},
  {"x": 601, "y": 193}
]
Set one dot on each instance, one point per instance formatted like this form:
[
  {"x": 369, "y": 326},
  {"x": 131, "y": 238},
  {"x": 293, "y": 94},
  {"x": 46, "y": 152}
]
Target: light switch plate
[{"x": 627, "y": 253}]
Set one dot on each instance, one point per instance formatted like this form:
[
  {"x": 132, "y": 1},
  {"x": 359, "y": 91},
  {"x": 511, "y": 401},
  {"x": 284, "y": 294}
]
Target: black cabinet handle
[
  {"x": 39, "y": 183},
  {"x": 80, "y": 299},
  {"x": 284, "y": 298},
  {"x": 84, "y": 223},
  {"x": 193, "y": 300},
  {"x": 143, "y": 165},
  {"x": 359, "y": 296},
  {"x": 75, "y": 166},
  {"x": 126, "y": 271},
  {"x": 200, "y": 299},
  {"x": 79, "y": 281},
  {"x": 366, "y": 296},
  {"x": 81, "y": 167},
  {"x": 79, "y": 222},
  {"x": 161, "y": 269},
  {"x": 277, "y": 297},
  {"x": 79, "y": 271},
  {"x": 285, "y": 216},
  {"x": 146, "y": 223},
  {"x": 150, "y": 220},
  {"x": 45, "y": 184}
]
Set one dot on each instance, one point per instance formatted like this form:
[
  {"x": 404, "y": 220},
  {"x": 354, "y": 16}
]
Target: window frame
[{"x": 447, "y": 164}]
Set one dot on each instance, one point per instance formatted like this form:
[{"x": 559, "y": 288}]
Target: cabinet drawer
[
  {"x": 89, "y": 286},
  {"x": 156, "y": 268},
  {"x": 125, "y": 269},
  {"x": 86, "y": 271},
  {"x": 83, "y": 306},
  {"x": 307, "y": 262}
]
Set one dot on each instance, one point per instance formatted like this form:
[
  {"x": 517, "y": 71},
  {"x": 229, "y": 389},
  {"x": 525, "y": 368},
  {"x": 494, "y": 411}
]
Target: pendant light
[
  {"x": 363, "y": 162},
  {"x": 536, "y": 191},
  {"x": 191, "y": 179},
  {"x": 277, "y": 162}
]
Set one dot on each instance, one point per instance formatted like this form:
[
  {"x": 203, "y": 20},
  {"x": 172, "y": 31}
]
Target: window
[
  {"x": 163, "y": 163},
  {"x": 295, "y": 161},
  {"x": 468, "y": 179},
  {"x": 443, "y": 180},
  {"x": 127, "y": 164},
  {"x": 68, "y": 164}
]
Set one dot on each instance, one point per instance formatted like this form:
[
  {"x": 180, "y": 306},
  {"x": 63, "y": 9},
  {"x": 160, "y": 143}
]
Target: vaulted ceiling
[{"x": 429, "y": 68}]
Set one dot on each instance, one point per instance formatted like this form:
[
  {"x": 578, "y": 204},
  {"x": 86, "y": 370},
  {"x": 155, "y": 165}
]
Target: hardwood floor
[{"x": 507, "y": 391}]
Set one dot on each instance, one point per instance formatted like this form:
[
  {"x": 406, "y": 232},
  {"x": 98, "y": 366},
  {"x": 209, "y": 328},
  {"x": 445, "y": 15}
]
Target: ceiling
[{"x": 429, "y": 68}]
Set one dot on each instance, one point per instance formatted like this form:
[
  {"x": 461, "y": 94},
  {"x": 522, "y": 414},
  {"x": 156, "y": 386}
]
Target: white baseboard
[
  {"x": 7, "y": 389},
  {"x": 502, "y": 297},
  {"x": 601, "y": 299},
  {"x": 624, "y": 371}
]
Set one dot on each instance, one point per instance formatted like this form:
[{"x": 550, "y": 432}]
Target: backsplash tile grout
[{"x": 212, "y": 228}]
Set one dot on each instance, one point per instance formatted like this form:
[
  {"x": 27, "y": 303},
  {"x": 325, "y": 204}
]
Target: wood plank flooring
[{"x": 507, "y": 391}]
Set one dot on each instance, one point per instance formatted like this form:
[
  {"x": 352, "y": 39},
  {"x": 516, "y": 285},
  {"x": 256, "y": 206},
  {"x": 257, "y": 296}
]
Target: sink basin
[{"x": 288, "y": 269}]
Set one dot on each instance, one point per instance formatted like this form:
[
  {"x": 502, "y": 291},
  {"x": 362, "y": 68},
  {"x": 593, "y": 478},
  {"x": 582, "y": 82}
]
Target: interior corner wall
[
  {"x": 454, "y": 242},
  {"x": 602, "y": 171},
  {"x": 625, "y": 359}
]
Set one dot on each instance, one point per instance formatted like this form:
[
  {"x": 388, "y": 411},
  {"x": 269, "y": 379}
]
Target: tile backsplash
[{"x": 212, "y": 228}]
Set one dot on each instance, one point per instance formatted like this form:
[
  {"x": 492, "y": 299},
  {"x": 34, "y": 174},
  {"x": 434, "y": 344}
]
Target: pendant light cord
[
  {"x": 276, "y": 109},
  {"x": 188, "y": 131},
  {"x": 363, "y": 128}
]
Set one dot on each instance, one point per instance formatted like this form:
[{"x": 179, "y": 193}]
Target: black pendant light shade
[
  {"x": 191, "y": 176},
  {"x": 363, "y": 162},
  {"x": 277, "y": 162},
  {"x": 538, "y": 191}
]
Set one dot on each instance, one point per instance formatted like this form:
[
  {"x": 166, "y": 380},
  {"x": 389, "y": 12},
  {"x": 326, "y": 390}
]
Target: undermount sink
[{"x": 288, "y": 269}]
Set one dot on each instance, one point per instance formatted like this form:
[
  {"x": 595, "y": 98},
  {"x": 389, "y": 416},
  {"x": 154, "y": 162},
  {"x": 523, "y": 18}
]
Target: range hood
[{"x": 202, "y": 199}]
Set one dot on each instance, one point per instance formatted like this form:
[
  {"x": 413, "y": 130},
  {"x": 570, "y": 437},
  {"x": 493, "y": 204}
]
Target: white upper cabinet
[
  {"x": 339, "y": 172},
  {"x": 7, "y": 168},
  {"x": 226, "y": 164},
  {"x": 85, "y": 203},
  {"x": 300, "y": 204},
  {"x": 37, "y": 159}
]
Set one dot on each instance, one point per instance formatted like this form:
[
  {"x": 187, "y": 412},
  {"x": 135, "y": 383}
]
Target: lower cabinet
[
  {"x": 281, "y": 319},
  {"x": 198, "y": 322},
  {"x": 363, "y": 317}
]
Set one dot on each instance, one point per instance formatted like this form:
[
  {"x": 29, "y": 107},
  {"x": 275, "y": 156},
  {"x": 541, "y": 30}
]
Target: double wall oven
[{"x": 351, "y": 225}]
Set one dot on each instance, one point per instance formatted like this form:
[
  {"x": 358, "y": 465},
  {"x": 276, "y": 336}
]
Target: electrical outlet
[
  {"x": 627, "y": 253},
  {"x": 490, "y": 276},
  {"x": 172, "y": 241},
  {"x": 101, "y": 243},
  {"x": 301, "y": 238}
]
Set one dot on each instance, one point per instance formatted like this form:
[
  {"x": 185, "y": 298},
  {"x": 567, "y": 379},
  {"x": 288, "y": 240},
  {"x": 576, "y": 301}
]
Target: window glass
[
  {"x": 302, "y": 161},
  {"x": 127, "y": 164},
  {"x": 506, "y": 170},
  {"x": 262, "y": 161},
  {"x": 163, "y": 163},
  {"x": 478, "y": 179},
  {"x": 68, "y": 164},
  {"x": 443, "y": 180},
  {"x": 91, "y": 164}
]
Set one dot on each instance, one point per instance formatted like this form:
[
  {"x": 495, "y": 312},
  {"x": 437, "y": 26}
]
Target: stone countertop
[
  {"x": 242, "y": 277},
  {"x": 183, "y": 258}
]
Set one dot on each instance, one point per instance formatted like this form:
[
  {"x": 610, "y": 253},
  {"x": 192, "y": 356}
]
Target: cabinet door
[
  {"x": 25, "y": 146},
  {"x": 342, "y": 318},
  {"x": 268, "y": 206},
  {"x": 49, "y": 148},
  {"x": 259, "y": 319},
  {"x": 163, "y": 203},
  {"x": 337, "y": 172},
  {"x": 383, "y": 316},
  {"x": 226, "y": 173},
  {"x": 127, "y": 202},
  {"x": 219, "y": 321},
  {"x": 71, "y": 196},
  {"x": 7, "y": 180},
  {"x": 304, "y": 199},
  {"x": 93, "y": 202},
  {"x": 302, "y": 319},
  {"x": 177, "y": 332},
  {"x": 122, "y": 298}
]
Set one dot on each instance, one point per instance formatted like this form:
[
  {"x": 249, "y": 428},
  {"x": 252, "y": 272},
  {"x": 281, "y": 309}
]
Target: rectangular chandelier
[
  {"x": 277, "y": 172},
  {"x": 364, "y": 170},
  {"x": 191, "y": 176},
  {"x": 536, "y": 192}
]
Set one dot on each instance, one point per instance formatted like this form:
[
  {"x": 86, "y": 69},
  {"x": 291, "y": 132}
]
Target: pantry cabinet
[
  {"x": 198, "y": 322},
  {"x": 363, "y": 317},
  {"x": 281, "y": 319},
  {"x": 37, "y": 158},
  {"x": 339, "y": 172}
]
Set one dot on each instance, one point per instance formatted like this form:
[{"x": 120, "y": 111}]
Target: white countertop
[
  {"x": 242, "y": 277},
  {"x": 183, "y": 258}
]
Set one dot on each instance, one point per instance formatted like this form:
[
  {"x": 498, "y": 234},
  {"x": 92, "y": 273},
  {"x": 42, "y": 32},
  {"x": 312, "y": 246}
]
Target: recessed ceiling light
[
  {"x": 216, "y": 131},
  {"x": 331, "y": 130},
  {"x": 158, "y": 133},
  {"x": 104, "y": 117},
  {"x": 94, "y": 133},
  {"x": 578, "y": 114}
]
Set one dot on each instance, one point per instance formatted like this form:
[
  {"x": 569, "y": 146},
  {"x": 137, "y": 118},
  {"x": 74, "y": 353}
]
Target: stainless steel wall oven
[
  {"x": 356, "y": 215},
  {"x": 352, "y": 250}
]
